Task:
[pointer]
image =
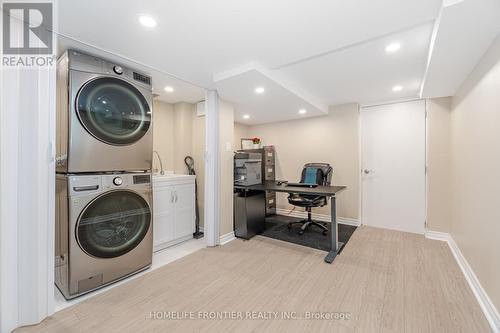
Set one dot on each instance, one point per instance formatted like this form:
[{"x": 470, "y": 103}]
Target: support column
[{"x": 212, "y": 169}]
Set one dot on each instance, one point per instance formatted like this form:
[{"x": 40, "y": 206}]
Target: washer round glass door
[
  {"x": 113, "y": 224},
  {"x": 113, "y": 111}
]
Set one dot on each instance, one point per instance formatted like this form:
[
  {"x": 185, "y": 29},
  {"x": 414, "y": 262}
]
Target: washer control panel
[
  {"x": 114, "y": 181},
  {"x": 125, "y": 180},
  {"x": 82, "y": 185}
]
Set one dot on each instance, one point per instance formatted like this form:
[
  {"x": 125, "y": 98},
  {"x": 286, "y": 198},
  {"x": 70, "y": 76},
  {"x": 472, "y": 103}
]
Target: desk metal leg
[{"x": 335, "y": 245}]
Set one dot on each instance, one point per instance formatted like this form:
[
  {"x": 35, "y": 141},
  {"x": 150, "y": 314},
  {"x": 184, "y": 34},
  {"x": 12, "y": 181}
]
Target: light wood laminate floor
[{"x": 386, "y": 281}]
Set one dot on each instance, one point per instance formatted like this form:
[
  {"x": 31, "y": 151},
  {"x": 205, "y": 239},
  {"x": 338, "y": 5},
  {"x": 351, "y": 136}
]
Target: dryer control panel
[{"x": 88, "y": 63}]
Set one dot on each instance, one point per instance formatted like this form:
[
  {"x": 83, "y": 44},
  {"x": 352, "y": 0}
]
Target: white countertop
[{"x": 169, "y": 177}]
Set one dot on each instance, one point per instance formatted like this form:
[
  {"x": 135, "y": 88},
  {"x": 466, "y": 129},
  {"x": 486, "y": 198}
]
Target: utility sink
[{"x": 157, "y": 177}]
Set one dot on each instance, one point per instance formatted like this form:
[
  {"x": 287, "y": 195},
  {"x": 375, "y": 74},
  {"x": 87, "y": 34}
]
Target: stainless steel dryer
[
  {"x": 103, "y": 229},
  {"x": 104, "y": 113}
]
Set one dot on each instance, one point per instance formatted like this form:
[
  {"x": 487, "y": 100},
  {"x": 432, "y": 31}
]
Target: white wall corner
[
  {"x": 487, "y": 306},
  {"x": 448, "y": 3}
]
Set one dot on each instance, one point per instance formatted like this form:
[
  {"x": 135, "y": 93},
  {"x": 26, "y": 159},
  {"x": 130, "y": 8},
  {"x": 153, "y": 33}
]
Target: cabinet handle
[
  {"x": 172, "y": 197},
  {"x": 176, "y": 196}
]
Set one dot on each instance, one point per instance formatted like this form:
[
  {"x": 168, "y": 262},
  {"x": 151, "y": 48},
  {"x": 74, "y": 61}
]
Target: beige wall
[
  {"x": 332, "y": 139},
  {"x": 475, "y": 161},
  {"x": 199, "y": 161},
  {"x": 241, "y": 131},
  {"x": 163, "y": 129},
  {"x": 177, "y": 133},
  {"x": 438, "y": 162},
  {"x": 183, "y": 135},
  {"x": 226, "y": 129}
]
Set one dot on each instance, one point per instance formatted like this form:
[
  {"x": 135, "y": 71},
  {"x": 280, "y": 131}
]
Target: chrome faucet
[{"x": 161, "y": 164}]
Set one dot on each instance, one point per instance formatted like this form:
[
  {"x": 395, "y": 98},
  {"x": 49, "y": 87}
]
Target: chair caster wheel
[{"x": 325, "y": 232}]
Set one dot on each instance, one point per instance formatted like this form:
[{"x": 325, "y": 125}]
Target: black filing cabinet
[{"x": 268, "y": 173}]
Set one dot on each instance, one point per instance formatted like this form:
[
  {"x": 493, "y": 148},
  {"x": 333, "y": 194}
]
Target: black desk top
[{"x": 270, "y": 185}]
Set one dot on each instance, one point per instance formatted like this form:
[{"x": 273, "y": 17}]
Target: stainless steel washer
[
  {"x": 103, "y": 229},
  {"x": 104, "y": 114}
]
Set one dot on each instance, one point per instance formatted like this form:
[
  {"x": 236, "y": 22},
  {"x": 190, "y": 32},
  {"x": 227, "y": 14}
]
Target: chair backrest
[{"x": 317, "y": 173}]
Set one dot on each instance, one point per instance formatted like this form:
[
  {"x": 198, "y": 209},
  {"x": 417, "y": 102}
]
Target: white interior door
[{"x": 393, "y": 166}]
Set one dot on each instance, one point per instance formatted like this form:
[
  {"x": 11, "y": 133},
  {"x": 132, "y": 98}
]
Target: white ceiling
[
  {"x": 322, "y": 52},
  {"x": 365, "y": 73},
  {"x": 275, "y": 104},
  {"x": 196, "y": 39},
  {"x": 183, "y": 91},
  {"x": 463, "y": 33}
]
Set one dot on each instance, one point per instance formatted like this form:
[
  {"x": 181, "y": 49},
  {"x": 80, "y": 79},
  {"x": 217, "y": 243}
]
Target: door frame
[
  {"x": 27, "y": 199},
  {"x": 426, "y": 139}
]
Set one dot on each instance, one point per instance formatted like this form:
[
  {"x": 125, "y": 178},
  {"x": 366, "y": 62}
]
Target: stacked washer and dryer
[{"x": 103, "y": 182}]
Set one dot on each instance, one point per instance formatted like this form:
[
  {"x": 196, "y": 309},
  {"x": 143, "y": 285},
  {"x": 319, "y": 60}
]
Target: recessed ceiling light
[
  {"x": 147, "y": 21},
  {"x": 302, "y": 111},
  {"x": 246, "y": 116},
  {"x": 169, "y": 89},
  {"x": 393, "y": 47},
  {"x": 397, "y": 88},
  {"x": 259, "y": 90}
]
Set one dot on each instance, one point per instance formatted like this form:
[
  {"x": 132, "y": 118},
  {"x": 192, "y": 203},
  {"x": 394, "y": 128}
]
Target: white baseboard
[
  {"x": 438, "y": 235},
  {"x": 489, "y": 309},
  {"x": 224, "y": 239},
  {"x": 318, "y": 217},
  {"x": 347, "y": 220}
]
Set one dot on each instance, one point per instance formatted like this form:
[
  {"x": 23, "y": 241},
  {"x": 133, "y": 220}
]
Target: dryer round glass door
[
  {"x": 113, "y": 224},
  {"x": 113, "y": 111}
]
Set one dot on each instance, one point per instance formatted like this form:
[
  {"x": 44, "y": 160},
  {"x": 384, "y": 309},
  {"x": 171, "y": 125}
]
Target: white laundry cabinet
[{"x": 174, "y": 210}]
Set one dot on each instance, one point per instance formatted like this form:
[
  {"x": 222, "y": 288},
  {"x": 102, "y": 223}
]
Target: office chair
[{"x": 315, "y": 173}]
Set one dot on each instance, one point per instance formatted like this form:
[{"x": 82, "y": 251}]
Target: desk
[{"x": 327, "y": 191}]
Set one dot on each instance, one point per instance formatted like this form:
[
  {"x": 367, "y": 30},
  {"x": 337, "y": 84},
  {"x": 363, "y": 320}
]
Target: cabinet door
[
  {"x": 184, "y": 210},
  {"x": 164, "y": 215}
]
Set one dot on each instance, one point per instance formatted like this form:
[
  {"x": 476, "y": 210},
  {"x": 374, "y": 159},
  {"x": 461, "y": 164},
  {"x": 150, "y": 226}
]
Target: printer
[{"x": 247, "y": 168}]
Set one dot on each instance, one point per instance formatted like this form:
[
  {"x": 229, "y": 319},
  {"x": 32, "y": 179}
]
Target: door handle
[
  {"x": 366, "y": 171},
  {"x": 85, "y": 188}
]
